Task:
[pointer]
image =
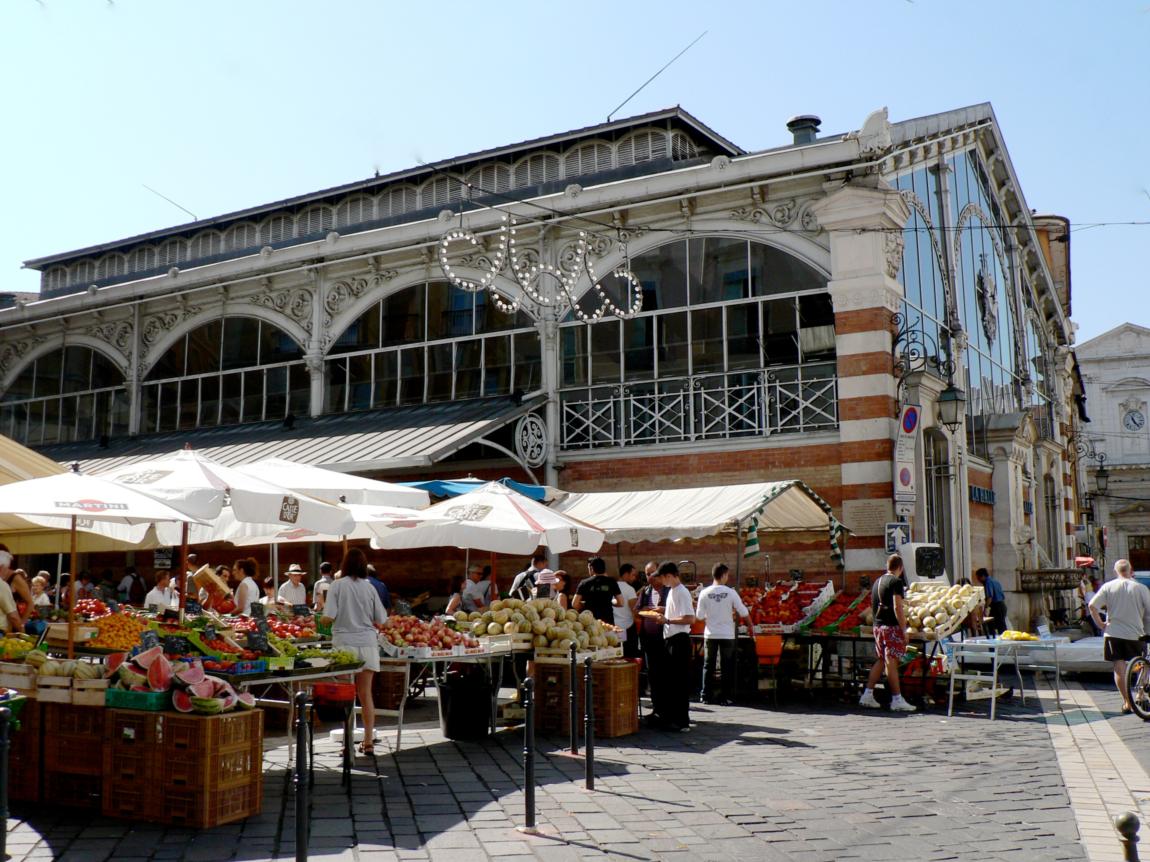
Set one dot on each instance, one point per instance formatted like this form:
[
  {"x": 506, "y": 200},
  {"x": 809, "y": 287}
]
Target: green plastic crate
[{"x": 149, "y": 701}]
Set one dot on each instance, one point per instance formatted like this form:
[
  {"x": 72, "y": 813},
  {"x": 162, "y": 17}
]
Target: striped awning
[{"x": 391, "y": 439}]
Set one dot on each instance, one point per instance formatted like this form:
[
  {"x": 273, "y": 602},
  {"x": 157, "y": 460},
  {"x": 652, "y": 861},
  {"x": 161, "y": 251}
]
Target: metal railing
[{"x": 701, "y": 407}]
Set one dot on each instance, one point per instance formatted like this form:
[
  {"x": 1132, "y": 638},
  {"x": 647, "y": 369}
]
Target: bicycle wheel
[{"x": 1138, "y": 681}]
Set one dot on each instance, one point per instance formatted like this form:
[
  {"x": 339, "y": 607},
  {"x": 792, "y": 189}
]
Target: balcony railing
[{"x": 704, "y": 407}]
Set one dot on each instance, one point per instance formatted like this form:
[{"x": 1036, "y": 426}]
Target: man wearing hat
[{"x": 294, "y": 592}]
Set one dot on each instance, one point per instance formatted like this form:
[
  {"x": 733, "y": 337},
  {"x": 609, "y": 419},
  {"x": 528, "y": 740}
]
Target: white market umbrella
[
  {"x": 228, "y": 529},
  {"x": 200, "y": 487},
  {"x": 495, "y": 518},
  {"x": 75, "y": 501},
  {"x": 335, "y": 486}
]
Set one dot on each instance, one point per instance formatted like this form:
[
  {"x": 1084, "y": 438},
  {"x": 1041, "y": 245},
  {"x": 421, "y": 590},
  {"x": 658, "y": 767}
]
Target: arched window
[
  {"x": 431, "y": 342},
  {"x": 536, "y": 170},
  {"x": 317, "y": 219},
  {"x": 142, "y": 259},
  {"x": 591, "y": 158},
  {"x": 72, "y": 393},
  {"x": 398, "y": 200},
  {"x": 735, "y": 338},
  {"x": 682, "y": 147},
  {"x": 641, "y": 147},
  {"x": 112, "y": 266},
  {"x": 279, "y": 228},
  {"x": 206, "y": 244},
  {"x": 440, "y": 191},
  {"x": 55, "y": 278},
  {"x": 356, "y": 210},
  {"x": 83, "y": 272},
  {"x": 226, "y": 372},
  {"x": 488, "y": 180},
  {"x": 242, "y": 237},
  {"x": 173, "y": 252}
]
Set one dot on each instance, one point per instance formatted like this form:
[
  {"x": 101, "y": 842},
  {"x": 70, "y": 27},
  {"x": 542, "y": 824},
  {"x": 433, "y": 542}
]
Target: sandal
[{"x": 367, "y": 749}]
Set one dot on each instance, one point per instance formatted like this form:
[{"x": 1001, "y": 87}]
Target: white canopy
[
  {"x": 695, "y": 513},
  {"x": 495, "y": 518},
  {"x": 369, "y": 520},
  {"x": 335, "y": 486}
]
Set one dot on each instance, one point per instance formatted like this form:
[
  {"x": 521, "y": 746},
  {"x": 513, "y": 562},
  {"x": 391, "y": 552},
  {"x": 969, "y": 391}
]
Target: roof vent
[{"x": 804, "y": 127}]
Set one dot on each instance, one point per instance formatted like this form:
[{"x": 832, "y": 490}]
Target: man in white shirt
[
  {"x": 161, "y": 595},
  {"x": 718, "y": 605},
  {"x": 1127, "y": 606},
  {"x": 677, "y": 617},
  {"x": 293, "y": 592},
  {"x": 625, "y": 612},
  {"x": 477, "y": 590},
  {"x": 9, "y": 616},
  {"x": 319, "y": 592}
]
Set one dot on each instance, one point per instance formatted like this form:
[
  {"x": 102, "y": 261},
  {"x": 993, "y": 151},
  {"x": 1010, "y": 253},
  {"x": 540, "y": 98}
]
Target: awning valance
[{"x": 695, "y": 513}]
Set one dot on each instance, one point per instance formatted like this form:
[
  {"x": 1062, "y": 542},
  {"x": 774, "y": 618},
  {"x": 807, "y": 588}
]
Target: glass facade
[
  {"x": 956, "y": 224},
  {"x": 73, "y": 393},
  {"x": 427, "y": 343},
  {"x": 226, "y": 372},
  {"x": 736, "y": 338}
]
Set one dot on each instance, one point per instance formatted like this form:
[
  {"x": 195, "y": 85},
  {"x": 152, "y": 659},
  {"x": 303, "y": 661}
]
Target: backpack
[{"x": 136, "y": 592}]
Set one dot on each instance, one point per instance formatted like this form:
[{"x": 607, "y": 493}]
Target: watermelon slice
[
  {"x": 207, "y": 705},
  {"x": 130, "y": 674},
  {"x": 145, "y": 658},
  {"x": 113, "y": 664},
  {"x": 160, "y": 674},
  {"x": 222, "y": 687},
  {"x": 203, "y": 688},
  {"x": 141, "y": 688},
  {"x": 190, "y": 675},
  {"x": 182, "y": 701},
  {"x": 246, "y": 700}
]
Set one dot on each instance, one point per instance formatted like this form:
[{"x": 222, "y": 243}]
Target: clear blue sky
[{"x": 223, "y": 104}]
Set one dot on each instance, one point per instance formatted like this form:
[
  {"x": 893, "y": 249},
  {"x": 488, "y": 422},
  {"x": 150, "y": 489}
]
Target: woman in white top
[
  {"x": 248, "y": 591},
  {"x": 355, "y": 613},
  {"x": 39, "y": 595}
]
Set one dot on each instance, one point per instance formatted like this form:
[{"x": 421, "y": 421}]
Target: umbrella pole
[
  {"x": 59, "y": 569},
  {"x": 72, "y": 596},
  {"x": 182, "y": 579},
  {"x": 738, "y": 556},
  {"x": 275, "y": 558}
]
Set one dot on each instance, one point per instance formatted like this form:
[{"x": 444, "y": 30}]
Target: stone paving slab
[{"x": 803, "y": 782}]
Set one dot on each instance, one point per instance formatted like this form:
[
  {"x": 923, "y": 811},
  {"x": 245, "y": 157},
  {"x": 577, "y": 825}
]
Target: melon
[
  {"x": 130, "y": 674},
  {"x": 207, "y": 705},
  {"x": 160, "y": 674},
  {"x": 145, "y": 658},
  {"x": 221, "y": 687},
  {"x": 246, "y": 700},
  {"x": 191, "y": 674},
  {"x": 141, "y": 688},
  {"x": 113, "y": 662},
  {"x": 182, "y": 701},
  {"x": 228, "y": 701},
  {"x": 203, "y": 688}
]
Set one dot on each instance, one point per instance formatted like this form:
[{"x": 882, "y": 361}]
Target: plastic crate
[
  {"x": 72, "y": 754},
  {"x": 25, "y": 756},
  {"x": 334, "y": 692},
  {"x": 200, "y": 810},
  {"x": 129, "y": 729},
  {"x": 220, "y": 771},
  {"x": 129, "y": 800},
  {"x": 70, "y": 790},
  {"x": 209, "y": 734},
  {"x": 148, "y": 701},
  {"x": 127, "y": 765}
]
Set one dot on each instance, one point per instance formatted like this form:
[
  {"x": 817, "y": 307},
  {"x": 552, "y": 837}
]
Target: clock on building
[{"x": 1133, "y": 420}]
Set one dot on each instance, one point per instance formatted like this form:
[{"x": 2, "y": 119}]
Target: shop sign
[
  {"x": 162, "y": 558},
  {"x": 981, "y": 495}
]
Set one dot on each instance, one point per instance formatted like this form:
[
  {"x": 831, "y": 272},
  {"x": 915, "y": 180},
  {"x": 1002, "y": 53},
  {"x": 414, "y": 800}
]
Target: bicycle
[{"x": 1138, "y": 681}]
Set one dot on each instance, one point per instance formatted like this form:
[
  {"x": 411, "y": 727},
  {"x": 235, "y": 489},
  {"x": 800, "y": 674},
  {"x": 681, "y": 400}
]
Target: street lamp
[
  {"x": 1102, "y": 475},
  {"x": 951, "y": 407}
]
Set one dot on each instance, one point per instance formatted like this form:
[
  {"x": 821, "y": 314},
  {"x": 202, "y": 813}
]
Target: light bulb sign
[{"x": 906, "y": 441}]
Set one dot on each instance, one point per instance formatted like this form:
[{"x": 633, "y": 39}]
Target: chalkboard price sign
[
  {"x": 300, "y": 611},
  {"x": 149, "y": 639},
  {"x": 191, "y": 606},
  {"x": 258, "y": 642},
  {"x": 177, "y": 645},
  {"x": 209, "y": 633},
  {"x": 258, "y": 611}
]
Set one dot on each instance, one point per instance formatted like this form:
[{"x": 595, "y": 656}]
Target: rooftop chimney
[{"x": 804, "y": 127}]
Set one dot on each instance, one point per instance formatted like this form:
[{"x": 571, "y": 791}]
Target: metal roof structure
[
  {"x": 393, "y": 438},
  {"x": 675, "y": 114}
]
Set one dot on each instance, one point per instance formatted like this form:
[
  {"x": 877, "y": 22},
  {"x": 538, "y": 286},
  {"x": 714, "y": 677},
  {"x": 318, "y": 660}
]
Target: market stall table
[{"x": 996, "y": 651}]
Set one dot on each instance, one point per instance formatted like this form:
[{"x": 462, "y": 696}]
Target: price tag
[
  {"x": 149, "y": 639},
  {"x": 258, "y": 611},
  {"x": 191, "y": 606},
  {"x": 210, "y": 633},
  {"x": 154, "y": 609},
  {"x": 177, "y": 645},
  {"x": 300, "y": 611},
  {"x": 258, "y": 642}
]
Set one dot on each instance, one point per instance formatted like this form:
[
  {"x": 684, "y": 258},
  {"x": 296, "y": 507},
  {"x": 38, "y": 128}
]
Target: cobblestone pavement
[{"x": 804, "y": 783}]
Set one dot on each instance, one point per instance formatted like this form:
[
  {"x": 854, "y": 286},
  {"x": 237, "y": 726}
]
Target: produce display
[
  {"x": 545, "y": 619},
  {"x": 71, "y": 668},
  {"x": 192, "y": 689},
  {"x": 403, "y": 631},
  {"x": 784, "y": 604},
  {"x": 935, "y": 610},
  {"x": 14, "y": 648},
  {"x": 838, "y": 608},
  {"x": 116, "y": 631},
  {"x": 1012, "y": 635}
]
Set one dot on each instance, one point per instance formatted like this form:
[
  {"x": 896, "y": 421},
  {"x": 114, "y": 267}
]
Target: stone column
[
  {"x": 864, "y": 224},
  {"x": 1006, "y": 439}
]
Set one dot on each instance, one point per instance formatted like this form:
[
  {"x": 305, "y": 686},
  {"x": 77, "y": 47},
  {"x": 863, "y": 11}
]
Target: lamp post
[
  {"x": 1101, "y": 475},
  {"x": 952, "y": 407}
]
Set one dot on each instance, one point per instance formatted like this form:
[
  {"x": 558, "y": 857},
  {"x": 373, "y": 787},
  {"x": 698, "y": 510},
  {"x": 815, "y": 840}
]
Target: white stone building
[{"x": 1116, "y": 443}]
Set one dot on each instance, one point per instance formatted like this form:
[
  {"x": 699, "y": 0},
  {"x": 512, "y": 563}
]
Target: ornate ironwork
[{"x": 914, "y": 351}]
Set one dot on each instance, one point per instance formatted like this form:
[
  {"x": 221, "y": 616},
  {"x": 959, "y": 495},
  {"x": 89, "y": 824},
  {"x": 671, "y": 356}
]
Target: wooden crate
[
  {"x": 616, "y": 694},
  {"x": 25, "y": 761}
]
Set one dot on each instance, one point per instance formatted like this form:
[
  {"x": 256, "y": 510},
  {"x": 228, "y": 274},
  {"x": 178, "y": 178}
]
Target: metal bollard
[
  {"x": 574, "y": 703},
  {"x": 5, "y": 731},
  {"x": 1127, "y": 825},
  {"x": 589, "y": 722},
  {"x": 528, "y": 698},
  {"x": 300, "y": 778}
]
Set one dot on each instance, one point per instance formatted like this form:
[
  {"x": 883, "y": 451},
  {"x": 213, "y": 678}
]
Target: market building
[
  {"x": 633, "y": 305},
  {"x": 1116, "y": 444}
]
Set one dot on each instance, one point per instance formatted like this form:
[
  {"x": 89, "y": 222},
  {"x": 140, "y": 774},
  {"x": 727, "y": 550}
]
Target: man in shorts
[
  {"x": 1127, "y": 606},
  {"x": 889, "y": 635}
]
